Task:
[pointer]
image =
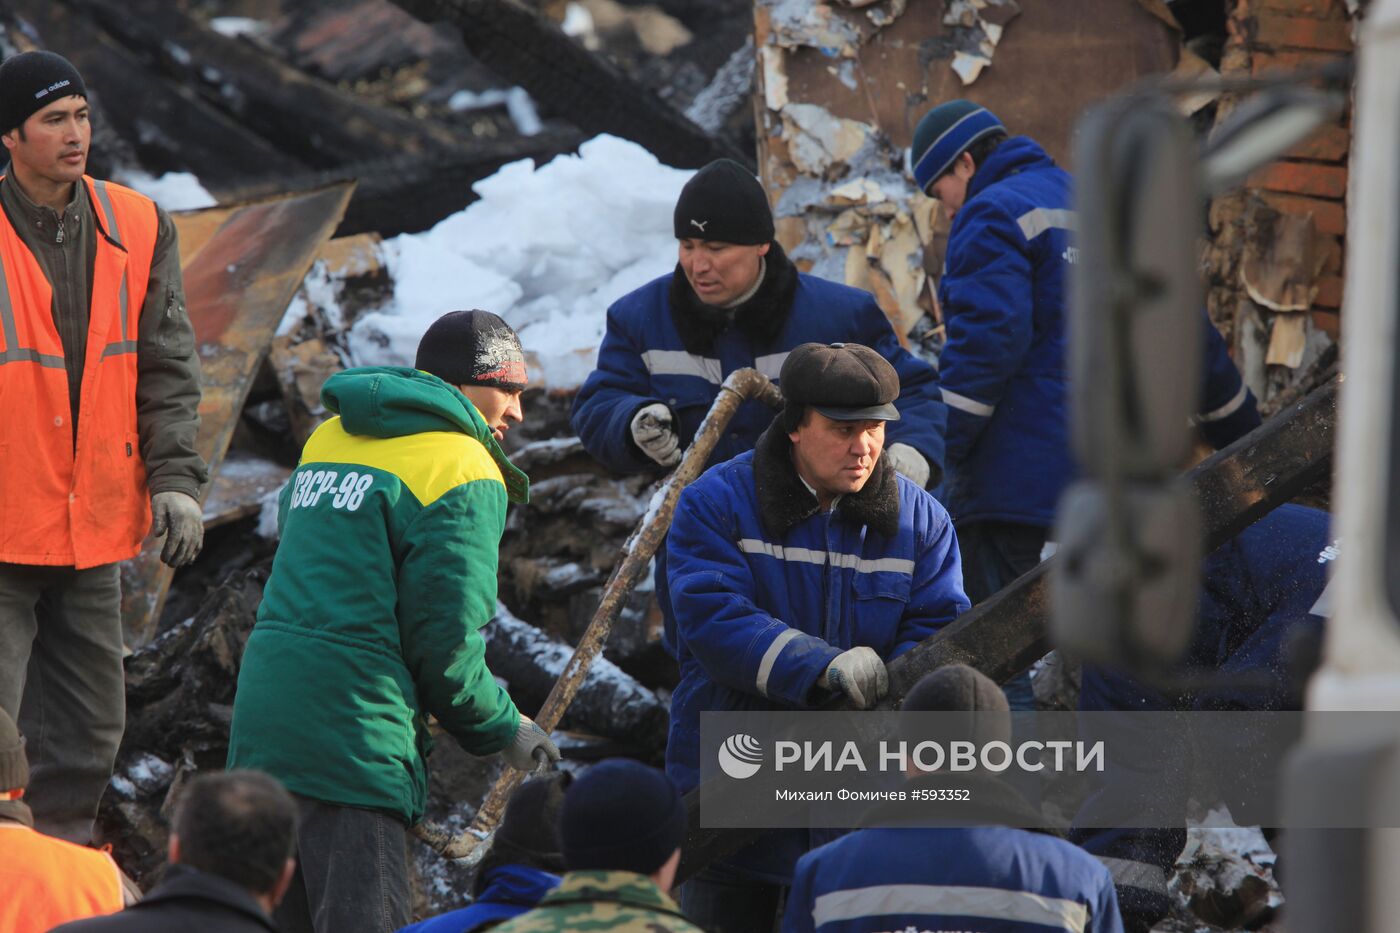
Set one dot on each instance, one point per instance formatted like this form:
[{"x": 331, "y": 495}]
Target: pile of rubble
[{"x": 400, "y": 128}]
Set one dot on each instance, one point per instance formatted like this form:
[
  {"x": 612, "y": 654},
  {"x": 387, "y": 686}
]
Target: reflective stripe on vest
[
  {"x": 49, "y": 881},
  {"x": 60, "y": 506}
]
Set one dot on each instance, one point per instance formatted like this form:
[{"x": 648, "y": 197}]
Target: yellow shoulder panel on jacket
[{"x": 429, "y": 464}]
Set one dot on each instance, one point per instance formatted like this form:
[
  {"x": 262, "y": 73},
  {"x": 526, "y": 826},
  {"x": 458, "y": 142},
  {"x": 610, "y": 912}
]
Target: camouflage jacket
[{"x": 603, "y": 900}]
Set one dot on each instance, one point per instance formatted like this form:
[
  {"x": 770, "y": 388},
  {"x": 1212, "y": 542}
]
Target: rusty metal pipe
[{"x": 741, "y": 386}]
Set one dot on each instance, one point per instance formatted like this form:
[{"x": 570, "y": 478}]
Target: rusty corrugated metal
[{"x": 242, "y": 265}]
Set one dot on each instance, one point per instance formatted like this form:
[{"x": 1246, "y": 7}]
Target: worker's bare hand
[{"x": 178, "y": 517}]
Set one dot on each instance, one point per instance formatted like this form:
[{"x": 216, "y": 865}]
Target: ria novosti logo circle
[{"x": 740, "y": 756}]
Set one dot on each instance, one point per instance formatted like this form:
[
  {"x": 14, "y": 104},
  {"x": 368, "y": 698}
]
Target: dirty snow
[
  {"x": 235, "y": 26},
  {"x": 548, "y": 248},
  {"x": 553, "y": 657},
  {"x": 320, "y": 290},
  {"x": 174, "y": 191}
]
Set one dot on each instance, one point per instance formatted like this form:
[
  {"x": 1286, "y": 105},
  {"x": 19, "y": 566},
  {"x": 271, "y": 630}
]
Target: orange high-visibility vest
[
  {"x": 47, "y": 881},
  {"x": 61, "y": 506}
]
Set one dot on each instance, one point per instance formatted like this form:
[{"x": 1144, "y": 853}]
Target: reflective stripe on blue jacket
[
  {"x": 1004, "y": 369},
  {"x": 979, "y": 879},
  {"x": 761, "y": 615},
  {"x": 643, "y": 360}
]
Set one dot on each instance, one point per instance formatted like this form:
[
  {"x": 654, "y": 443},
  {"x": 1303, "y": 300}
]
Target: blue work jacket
[
  {"x": 767, "y": 589},
  {"x": 510, "y": 890},
  {"x": 1004, "y": 371},
  {"x": 644, "y": 359},
  {"x": 976, "y": 879}
]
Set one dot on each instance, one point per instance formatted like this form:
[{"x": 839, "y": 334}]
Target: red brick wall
[{"x": 1267, "y": 36}]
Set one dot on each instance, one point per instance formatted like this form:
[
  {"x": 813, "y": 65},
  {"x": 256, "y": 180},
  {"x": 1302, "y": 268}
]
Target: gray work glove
[
  {"x": 910, "y": 462},
  {"x": 531, "y": 748},
  {"x": 656, "y": 435},
  {"x": 860, "y": 674},
  {"x": 179, "y": 517}
]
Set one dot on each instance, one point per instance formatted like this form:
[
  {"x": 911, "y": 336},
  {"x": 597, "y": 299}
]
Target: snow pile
[
  {"x": 174, "y": 191},
  {"x": 546, "y": 248}
]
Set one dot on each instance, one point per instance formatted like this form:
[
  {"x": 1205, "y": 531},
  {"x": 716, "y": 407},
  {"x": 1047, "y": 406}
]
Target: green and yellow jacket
[
  {"x": 616, "y": 901},
  {"x": 385, "y": 574}
]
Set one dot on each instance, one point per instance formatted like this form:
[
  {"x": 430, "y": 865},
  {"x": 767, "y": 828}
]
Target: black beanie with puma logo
[{"x": 724, "y": 203}]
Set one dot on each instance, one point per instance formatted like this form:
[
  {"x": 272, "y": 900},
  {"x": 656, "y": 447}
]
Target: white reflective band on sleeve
[
  {"x": 770, "y": 364},
  {"x": 770, "y": 657},
  {"x": 963, "y": 403},
  {"x": 1323, "y": 607},
  {"x": 957, "y": 900},
  {"x": 804, "y": 555},
  {"x": 1035, "y": 222},
  {"x": 1228, "y": 409},
  {"x": 681, "y": 363},
  {"x": 1129, "y": 874}
]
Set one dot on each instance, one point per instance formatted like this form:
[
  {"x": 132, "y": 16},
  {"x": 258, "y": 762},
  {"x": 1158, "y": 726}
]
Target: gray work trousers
[
  {"x": 352, "y": 872},
  {"x": 61, "y": 679}
]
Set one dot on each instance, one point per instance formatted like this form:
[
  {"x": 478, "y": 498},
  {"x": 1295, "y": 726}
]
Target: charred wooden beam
[
  {"x": 167, "y": 124},
  {"x": 560, "y": 74},
  {"x": 1006, "y": 633},
  {"x": 411, "y": 193},
  {"x": 608, "y": 703},
  {"x": 310, "y": 119}
]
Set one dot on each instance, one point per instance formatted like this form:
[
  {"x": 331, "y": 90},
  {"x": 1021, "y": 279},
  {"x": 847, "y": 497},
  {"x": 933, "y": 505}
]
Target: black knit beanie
[
  {"x": 529, "y": 831},
  {"x": 725, "y": 203},
  {"x": 621, "y": 816},
  {"x": 958, "y": 688},
  {"x": 473, "y": 348},
  {"x": 30, "y": 81},
  {"x": 14, "y": 765}
]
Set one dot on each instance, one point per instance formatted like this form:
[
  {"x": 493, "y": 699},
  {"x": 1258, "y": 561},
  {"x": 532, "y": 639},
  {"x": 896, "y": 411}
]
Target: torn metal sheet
[
  {"x": 242, "y": 265},
  {"x": 242, "y": 485},
  {"x": 1288, "y": 338},
  {"x": 975, "y": 27},
  {"x": 817, "y": 140},
  {"x": 1281, "y": 260},
  {"x": 887, "y": 13},
  {"x": 774, "y": 78},
  {"x": 802, "y": 23}
]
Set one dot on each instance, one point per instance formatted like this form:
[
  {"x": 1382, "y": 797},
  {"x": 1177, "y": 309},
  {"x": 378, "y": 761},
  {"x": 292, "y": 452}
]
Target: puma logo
[{"x": 699, "y": 226}]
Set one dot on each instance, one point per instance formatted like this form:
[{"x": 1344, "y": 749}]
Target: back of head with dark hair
[
  {"x": 984, "y": 147},
  {"x": 239, "y": 825}
]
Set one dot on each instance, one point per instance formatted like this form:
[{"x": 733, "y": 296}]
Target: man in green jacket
[
  {"x": 370, "y": 621},
  {"x": 621, "y": 829}
]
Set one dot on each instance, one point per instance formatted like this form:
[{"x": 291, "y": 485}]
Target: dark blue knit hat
[
  {"x": 621, "y": 816},
  {"x": 946, "y": 132}
]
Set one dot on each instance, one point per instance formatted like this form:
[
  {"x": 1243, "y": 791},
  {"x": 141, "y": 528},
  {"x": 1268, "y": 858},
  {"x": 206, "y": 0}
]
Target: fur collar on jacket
[
  {"x": 784, "y": 500},
  {"x": 760, "y": 319}
]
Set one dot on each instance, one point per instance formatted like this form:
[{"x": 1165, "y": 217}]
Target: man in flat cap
[
  {"x": 796, "y": 572},
  {"x": 734, "y": 300}
]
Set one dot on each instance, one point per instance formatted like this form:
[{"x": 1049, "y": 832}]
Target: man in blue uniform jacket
[
  {"x": 733, "y": 301},
  {"x": 796, "y": 571},
  {"x": 975, "y": 871},
  {"x": 1262, "y": 610},
  {"x": 1003, "y": 372}
]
